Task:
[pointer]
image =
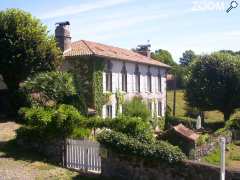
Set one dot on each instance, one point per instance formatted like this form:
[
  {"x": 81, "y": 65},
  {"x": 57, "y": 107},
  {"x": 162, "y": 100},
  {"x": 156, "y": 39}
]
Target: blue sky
[{"x": 176, "y": 25}]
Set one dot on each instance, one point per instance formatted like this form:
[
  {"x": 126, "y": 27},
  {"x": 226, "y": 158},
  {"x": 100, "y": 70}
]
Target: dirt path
[{"x": 18, "y": 168}]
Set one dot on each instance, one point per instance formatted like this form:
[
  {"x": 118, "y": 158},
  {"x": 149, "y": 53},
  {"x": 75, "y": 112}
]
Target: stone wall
[
  {"x": 132, "y": 168},
  {"x": 205, "y": 149},
  {"x": 52, "y": 150}
]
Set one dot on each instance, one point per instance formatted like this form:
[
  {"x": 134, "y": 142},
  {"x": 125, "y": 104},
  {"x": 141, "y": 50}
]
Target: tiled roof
[
  {"x": 88, "y": 48},
  {"x": 186, "y": 132}
]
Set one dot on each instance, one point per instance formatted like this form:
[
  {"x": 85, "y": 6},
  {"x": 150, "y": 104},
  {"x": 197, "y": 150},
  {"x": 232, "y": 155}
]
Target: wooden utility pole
[{"x": 174, "y": 95}]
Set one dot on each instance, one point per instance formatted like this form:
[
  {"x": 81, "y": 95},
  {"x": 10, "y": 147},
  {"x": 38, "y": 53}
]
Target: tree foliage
[
  {"x": 25, "y": 47},
  {"x": 187, "y": 58},
  {"x": 214, "y": 83},
  {"x": 56, "y": 87},
  {"x": 163, "y": 56}
]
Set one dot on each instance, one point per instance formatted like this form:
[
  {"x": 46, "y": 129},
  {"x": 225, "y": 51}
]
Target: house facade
[{"x": 126, "y": 72}]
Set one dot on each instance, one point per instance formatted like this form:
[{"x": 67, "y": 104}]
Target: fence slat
[{"x": 82, "y": 155}]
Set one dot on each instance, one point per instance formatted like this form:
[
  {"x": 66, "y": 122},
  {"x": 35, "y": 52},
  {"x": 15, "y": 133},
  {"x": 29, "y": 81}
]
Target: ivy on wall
[
  {"x": 99, "y": 97},
  {"x": 88, "y": 75}
]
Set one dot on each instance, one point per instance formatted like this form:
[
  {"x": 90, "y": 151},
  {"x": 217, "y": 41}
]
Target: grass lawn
[
  {"x": 18, "y": 163},
  {"x": 211, "y": 116},
  {"x": 232, "y": 156}
]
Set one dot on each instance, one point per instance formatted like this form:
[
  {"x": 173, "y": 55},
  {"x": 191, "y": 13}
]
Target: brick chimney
[
  {"x": 144, "y": 50},
  {"x": 62, "y": 35}
]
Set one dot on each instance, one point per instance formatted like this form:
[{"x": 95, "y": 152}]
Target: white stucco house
[{"x": 134, "y": 73}]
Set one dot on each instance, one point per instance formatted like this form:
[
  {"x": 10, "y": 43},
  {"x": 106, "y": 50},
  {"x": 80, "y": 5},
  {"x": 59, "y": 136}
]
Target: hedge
[
  {"x": 132, "y": 126},
  {"x": 124, "y": 144},
  {"x": 173, "y": 121}
]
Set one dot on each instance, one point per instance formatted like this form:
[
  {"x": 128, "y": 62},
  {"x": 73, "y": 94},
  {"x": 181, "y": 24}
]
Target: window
[
  {"x": 109, "y": 76},
  {"x": 159, "y": 83},
  {"x": 137, "y": 79},
  {"x": 149, "y": 83},
  {"x": 109, "y": 81},
  {"x": 124, "y": 78},
  {"x": 109, "y": 111},
  {"x": 149, "y": 80},
  {"x": 159, "y": 108}
]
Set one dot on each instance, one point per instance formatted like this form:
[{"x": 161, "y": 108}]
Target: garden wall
[
  {"x": 132, "y": 168},
  {"x": 52, "y": 150}
]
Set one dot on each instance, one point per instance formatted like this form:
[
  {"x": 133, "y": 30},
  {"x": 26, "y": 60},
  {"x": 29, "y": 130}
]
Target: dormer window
[
  {"x": 109, "y": 76},
  {"x": 137, "y": 79},
  {"x": 124, "y": 78},
  {"x": 149, "y": 80}
]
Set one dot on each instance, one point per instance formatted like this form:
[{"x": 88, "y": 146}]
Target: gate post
[{"x": 64, "y": 152}]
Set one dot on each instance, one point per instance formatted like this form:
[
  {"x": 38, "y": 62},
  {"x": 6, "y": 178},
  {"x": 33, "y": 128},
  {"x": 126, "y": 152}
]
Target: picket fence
[{"x": 82, "y": 155}]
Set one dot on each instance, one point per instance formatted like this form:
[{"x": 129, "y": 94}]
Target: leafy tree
[
  {"x": 163, "y": 56},
  {"x": 25, "y": 47},
  {"x": 214, "y": 83},
  {"x": 53, "y": 88},
  {"x": 187, "y": 58}
]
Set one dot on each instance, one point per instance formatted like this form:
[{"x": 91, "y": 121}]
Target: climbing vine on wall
[
  {"x": 88, "y": 74},
  {"x": 99, "y": 98}
]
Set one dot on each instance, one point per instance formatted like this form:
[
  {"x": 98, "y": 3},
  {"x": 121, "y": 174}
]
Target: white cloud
[{"x": 76, "y": 9}]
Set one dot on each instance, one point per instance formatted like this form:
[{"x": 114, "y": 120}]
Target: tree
[
  {"x": 25, "y": 47},
  {"x": 187, "y": 58},
  {"x": 53, "y": 88},
  {"x": 163, "y": 56},
  {"x": 214, "y": 83}
]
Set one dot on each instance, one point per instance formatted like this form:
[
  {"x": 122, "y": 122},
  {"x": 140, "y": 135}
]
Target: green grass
[
  {"x": 213, "y": 158},
  {"x": 210, "y": 116},
  {"x": 24, "y": 163},
  {"x": 232, "y": 156}
]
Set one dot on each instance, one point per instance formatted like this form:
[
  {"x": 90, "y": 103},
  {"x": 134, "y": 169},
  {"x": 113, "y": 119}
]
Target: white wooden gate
[{"x": 82, "y": 155}]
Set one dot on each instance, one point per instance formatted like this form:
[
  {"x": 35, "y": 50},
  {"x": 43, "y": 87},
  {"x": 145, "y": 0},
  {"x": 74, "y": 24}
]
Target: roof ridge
[{"x": 88, "y": 47}]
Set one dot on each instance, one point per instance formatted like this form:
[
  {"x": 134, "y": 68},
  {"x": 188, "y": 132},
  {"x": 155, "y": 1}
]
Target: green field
[{"x": 181, "y": 105}]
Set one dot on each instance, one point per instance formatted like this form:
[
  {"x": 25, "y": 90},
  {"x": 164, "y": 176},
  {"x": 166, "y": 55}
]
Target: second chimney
[
  {"x": 144, "y": 50},
  {"x": 62, "y": 35}
]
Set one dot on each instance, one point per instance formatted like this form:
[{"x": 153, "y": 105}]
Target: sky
[{"x": 176, "y": 25}]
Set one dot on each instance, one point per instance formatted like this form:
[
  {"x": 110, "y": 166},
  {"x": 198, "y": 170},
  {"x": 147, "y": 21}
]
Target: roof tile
[{"x": 88, "y": 48}]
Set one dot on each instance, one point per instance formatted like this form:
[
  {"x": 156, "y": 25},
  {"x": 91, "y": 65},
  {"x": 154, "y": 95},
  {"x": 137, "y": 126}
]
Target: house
[{"x": 108, "y": 75}]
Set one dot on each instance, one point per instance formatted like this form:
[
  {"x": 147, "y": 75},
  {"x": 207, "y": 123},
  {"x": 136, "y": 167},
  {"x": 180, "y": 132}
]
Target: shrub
[
  {"x": 37, "y": 116},
  {"x": 233, "y": 124},
  {"x": 136, "y": 108},
  {"x": 60, "y": 122},
  {"x": 202, "y": 139},
  {"x": 132, "y": 126},
  {"x": 122, "y": 143},
  {"x": 67, "y": 119},
  {"x": 173, "y": 121}
]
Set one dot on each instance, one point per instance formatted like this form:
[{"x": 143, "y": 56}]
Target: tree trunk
[
  {"x": 202, "y": 117},
  {"x": 227, "y": 115}
]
